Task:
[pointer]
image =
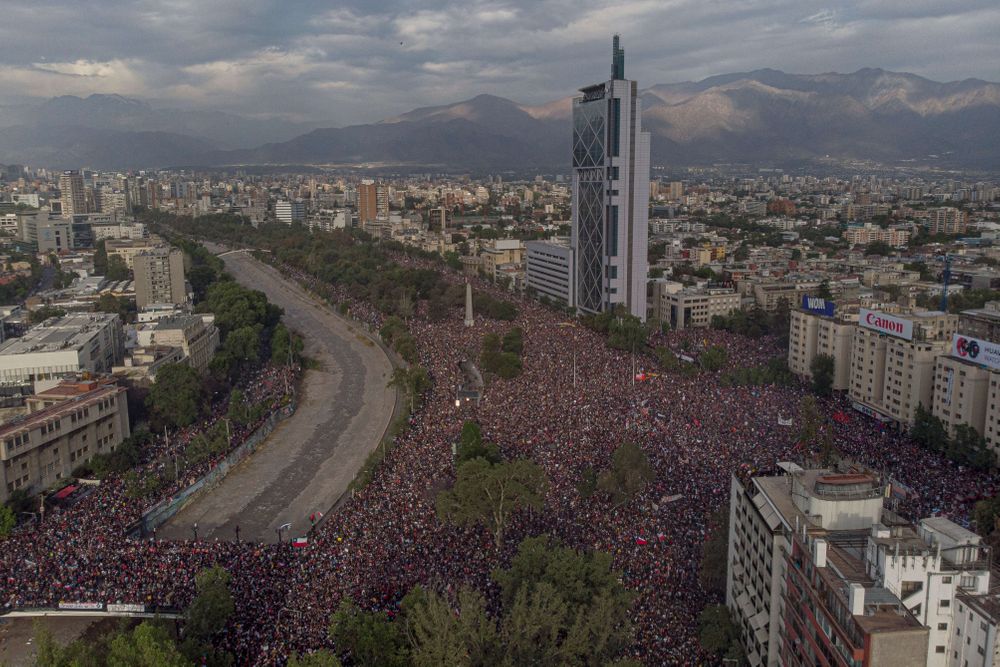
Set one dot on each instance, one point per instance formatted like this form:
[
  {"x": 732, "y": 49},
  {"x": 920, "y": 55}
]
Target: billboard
[
  {"x": 881, "y": 322},
  {"x": 976, "y": 350},
  {"x": 814, "y": 304}
]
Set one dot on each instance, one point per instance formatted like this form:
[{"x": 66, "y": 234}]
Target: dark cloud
[{"x": 361, "y": 60}]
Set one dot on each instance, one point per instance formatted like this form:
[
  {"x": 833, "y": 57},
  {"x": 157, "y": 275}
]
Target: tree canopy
[{"x": 487, "y": 493}]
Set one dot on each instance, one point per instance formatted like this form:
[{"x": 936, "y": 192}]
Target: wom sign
[{"x": 888, "y": 324}]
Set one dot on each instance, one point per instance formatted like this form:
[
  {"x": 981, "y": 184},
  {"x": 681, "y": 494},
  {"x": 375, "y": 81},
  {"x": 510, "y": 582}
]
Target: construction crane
[{"x": 946, "y": 279}]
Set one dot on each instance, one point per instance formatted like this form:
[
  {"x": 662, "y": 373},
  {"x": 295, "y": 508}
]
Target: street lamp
[
  {"x": 237, "y": 532},
  {"x": 194, "y": 529}
]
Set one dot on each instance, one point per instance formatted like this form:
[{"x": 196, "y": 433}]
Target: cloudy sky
[{"x": 362, "y": 60}]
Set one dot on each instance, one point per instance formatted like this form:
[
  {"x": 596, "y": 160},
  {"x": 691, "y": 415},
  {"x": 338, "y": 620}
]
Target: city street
[{"x": 310, "y": 459}]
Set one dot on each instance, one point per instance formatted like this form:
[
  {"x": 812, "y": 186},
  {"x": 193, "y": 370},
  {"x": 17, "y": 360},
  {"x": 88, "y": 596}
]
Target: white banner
[
  {"x": 82, "y": 606},
  {"x": 126, "y": 608},
  {"x": 888, "y": 324},
  {"x": 976, "y": 350}
]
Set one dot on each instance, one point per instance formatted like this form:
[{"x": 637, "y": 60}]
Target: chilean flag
[
  {"x": 641, "y": 541},
  {"x": 300, "y": 542}
]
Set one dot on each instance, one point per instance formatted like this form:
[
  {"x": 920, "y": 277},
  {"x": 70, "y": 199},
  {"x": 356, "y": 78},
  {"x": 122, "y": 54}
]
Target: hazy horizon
[{"x": 363, "y": 61}]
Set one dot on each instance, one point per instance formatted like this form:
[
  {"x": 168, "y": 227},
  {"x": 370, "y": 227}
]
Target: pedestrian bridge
[
  {"x": 243, "y": 250},
  {"x": 96, "y": 610}
]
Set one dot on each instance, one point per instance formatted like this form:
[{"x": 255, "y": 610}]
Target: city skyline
[{"x": 361, "y": 62}]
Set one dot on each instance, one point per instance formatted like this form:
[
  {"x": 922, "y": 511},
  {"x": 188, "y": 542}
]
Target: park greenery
[
  {"x": 489, "y": 494},
  {"x": 822, "y": 368},
  {"x": 774, "y": 372},
  {"x": 756, "y": 322},
  {"x": 965, "y": 447},
  {"x": 502, "y": 356},
  {"x": 628, "y": 474},
  {"x": 472, "y": 446},
  {"x": 557, "y": 606}
]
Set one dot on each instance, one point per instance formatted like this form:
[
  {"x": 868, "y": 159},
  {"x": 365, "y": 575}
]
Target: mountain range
[{"x": 763, "y": 117}]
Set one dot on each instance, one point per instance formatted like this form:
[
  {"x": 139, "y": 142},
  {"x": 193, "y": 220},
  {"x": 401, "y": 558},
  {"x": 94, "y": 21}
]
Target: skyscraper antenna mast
[{"x": 617, "y": 59}]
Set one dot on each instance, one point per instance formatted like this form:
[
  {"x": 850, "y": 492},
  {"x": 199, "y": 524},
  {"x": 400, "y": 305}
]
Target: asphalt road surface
[{"x": 309, "y": 460}]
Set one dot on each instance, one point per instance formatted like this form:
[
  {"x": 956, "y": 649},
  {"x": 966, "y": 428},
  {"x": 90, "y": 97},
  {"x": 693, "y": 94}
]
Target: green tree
[
  {"x": 238, "y": 410},
  {"x": 588, "y": 483},
  {"x": 439, "y": 636},
  {"x": 371, "y": 639},
  {"x": 319, "y": 658},
  {"x": 201, "y": 278},
  {"x": 714, "y": 553},
  {"x": 627, "y": 332},
  {"x": 878, "y": 248},
  {"x": 985, "y": 514},
  {"x": 212, "y": 605},
  {"x": 628, "y": 475},
  {"x": 718, "y": 634},
  {"x": 7, "y": 521},
  {"x": 823, "y": 291},
  {"x": 148, "y": 645},
  {"x": 810, "y": 419},
  {"x": 929, "y": 431},
  {"x": 280, "y": 342},
  {"x": 177, "y": 396},
  {"x": 471, "y": 445},
  {"x": 562, "y": 606},
  {"x": 100, "y": 258},
  {"x": 489, "y": 494},
  {"x": 513, "y": 341},
  {"x": 413, "y": 381},
  {"x": 713, "y": 358},
  {"x": 822, "y": 368},
  {"x": 39, "y": 315},
  {"x": 117, "y": 269}
]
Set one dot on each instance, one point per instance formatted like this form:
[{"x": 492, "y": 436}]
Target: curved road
[{"x": 309, "y": 460}]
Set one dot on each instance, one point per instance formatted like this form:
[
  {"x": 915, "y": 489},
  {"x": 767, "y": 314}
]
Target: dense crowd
[
  {"x": 575, "y": 403},
  {"x": 82, "y": 553}
]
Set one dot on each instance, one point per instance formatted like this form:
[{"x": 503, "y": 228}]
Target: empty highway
[{"x": 310, "y": 459}]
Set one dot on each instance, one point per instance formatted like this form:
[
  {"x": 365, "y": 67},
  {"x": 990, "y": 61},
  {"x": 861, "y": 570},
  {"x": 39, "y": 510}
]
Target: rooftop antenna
[{"x": 617, "y": 59}]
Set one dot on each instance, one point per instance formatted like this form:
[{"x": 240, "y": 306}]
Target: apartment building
[
  {"x": 46, "y": 445},
  {"x": 127, "y": 249},
  {"x": 159, "y": 277},
  {"x": 373, "y": 201},
  {"x": 869, "y": 233},
  {"x": 289, "y": 211},
  {"x": 549, "y": 270},
  {"x": 893, "y": 362},
  {"x": 690, "y": 307},
  {"x": 981, "y": 322},
  {"x": 822, "y": 572},
  {"x": 190, "y": 333},
  {"x": 91, "y": 342},
  {"x": 501, "y": 252},
  {"x": 817, "y": 329},
  {"x": 946, "y": 220},
  {"x": 965, "y": 387}
]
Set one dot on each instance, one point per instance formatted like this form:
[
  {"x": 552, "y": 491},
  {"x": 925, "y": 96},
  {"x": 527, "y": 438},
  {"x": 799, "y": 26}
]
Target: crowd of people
[
  {"x": 83, "y": 553},
  {"x": 576, "y": 401}
]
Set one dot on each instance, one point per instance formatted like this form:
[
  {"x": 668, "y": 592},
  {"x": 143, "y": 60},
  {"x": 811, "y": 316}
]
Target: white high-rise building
[{"x": 610, "y": 194}]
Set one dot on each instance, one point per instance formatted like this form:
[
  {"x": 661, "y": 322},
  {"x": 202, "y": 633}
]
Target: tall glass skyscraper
[{"x": 610, "y": 194}]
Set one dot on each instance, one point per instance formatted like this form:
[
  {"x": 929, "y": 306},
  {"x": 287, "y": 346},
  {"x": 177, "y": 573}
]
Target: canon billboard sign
[
  {"x": 887, "y": 324},
  {"x": 976, "y": 350}
]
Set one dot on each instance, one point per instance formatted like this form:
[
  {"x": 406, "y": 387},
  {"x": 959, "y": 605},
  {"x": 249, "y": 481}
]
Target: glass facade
[
  {"x": 589, "y": 137},
  {"x": 589, "y": 130}
]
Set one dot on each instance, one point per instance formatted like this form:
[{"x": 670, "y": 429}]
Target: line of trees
[
  {"x": 556, "y": 606},
  {"x": 966, "y": 447}
]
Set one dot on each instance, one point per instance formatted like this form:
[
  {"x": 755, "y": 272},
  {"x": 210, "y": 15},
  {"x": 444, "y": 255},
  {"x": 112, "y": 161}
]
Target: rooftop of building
[
  {"x": 58, "y": 410},
  {"x": 987, "y": 605},
  {"x": 70, "y": 331}
]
